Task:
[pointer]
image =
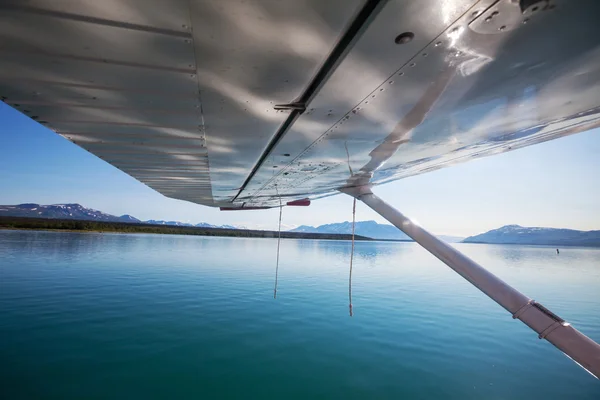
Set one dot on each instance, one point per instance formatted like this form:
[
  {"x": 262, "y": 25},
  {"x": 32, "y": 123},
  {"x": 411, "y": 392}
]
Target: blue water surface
[{"x": 115, "y": 316}]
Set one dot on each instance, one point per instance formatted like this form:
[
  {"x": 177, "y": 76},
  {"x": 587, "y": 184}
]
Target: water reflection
[
  {"x": 363, "y": 249},
  {"x": 138, "y": 310}
]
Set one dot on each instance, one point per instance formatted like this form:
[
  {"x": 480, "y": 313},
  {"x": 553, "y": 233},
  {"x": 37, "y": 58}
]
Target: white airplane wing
[{"x": 235, "y": 103}]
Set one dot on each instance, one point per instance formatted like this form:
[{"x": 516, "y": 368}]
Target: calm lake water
[{"x": 97, "y": 316}]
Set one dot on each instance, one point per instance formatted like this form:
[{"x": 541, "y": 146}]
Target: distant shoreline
[
  {"x": 72, "y": 225},
  {"x": 557, "y": 245},
  {"x": 86, "y": 226}
]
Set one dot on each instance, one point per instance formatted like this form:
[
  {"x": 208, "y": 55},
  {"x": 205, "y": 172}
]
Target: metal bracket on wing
[
  {"x": 506, "y": 15},
  {"x": 297, "y": 106}
]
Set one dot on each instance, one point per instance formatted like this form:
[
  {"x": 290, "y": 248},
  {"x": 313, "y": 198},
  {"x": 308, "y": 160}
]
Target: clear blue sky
[{"x": 554, "y": 184}]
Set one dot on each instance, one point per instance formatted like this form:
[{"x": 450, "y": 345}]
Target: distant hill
[
  {"x": 516, "y": 234},
  {"x": 369, "y": 229},
  {"x": 364, "y": 228}
]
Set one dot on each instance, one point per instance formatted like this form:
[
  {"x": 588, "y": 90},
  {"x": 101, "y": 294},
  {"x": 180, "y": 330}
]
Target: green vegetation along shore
[{"x": 96, "y": 226}]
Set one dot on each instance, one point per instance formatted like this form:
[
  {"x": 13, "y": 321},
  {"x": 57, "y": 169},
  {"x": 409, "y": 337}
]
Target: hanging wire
[
  {"x": 278, "y": 242},
  {"x": 353, "y": 226},
  {"x": 351, "y": 256}
]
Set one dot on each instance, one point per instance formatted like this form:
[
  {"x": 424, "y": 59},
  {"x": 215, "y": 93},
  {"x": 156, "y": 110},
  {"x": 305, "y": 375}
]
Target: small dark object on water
[{"x": 557, "y": 252}]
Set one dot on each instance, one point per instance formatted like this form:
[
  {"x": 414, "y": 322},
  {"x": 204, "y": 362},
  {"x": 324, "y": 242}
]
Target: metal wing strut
[{"x": 581, "y": 349}]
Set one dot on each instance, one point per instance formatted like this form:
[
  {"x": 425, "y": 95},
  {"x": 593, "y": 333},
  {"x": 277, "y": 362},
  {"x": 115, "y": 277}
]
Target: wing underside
[{"x": 238, "y": 103}]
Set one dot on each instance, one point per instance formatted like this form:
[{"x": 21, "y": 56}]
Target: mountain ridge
[
  {"x": 364, "y": 228},
  {"x": 64, "y": 211},
  {"x": 508, "y": 234},
  {"x": 370, "y": 229},
  {"x": 517, "y": 234},
  {"x": 76, "y": 211}
]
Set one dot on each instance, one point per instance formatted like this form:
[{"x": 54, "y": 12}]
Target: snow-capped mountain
[
  {"x": 516, "y": 234},
  {"x": 129, "y": 218},
  {"x": 205, "y": 225},
  {"x": 79, "y": 212},
  {"x": 61, "y": 211},
  {"x": 171, "y": 223}
]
